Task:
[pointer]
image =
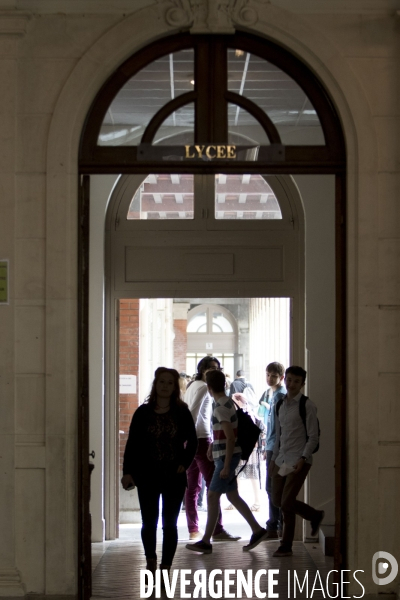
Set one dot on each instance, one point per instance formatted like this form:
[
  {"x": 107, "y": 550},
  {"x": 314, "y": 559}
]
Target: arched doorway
[
  {"x": 207, "y": 140},
  {"x": 149, "y": 258}
]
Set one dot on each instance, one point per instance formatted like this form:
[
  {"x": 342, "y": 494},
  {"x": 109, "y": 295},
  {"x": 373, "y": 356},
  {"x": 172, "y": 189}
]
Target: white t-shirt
[{"x": 199, "y": 402}]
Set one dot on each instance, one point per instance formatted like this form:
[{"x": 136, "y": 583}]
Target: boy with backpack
[
  {"x": 297, "y": 438},
  {"x": 226, "y": 454}
]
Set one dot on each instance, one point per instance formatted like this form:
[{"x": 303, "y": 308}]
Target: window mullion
[
  {"x": 218, "y": 85},
  {"x": 211, "y": 77},
  {"x": 202, "y": 130}
]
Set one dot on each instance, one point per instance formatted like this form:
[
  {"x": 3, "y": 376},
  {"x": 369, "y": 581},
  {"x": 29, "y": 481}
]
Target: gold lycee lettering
[
  {"x": 199, "y": 150},
  {"x": 221, "y": 151},
  {"x": 208, "y": 152},
  {"x": 188, "y": 155}
]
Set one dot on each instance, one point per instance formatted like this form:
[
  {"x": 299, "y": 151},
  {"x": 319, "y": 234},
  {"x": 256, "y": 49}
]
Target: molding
[
  {"x": 10, "y": 583},
  {"x": 13, "y": 23},
  {"x": 210, "y": 16},
  {"x": 180, "y": 310}
]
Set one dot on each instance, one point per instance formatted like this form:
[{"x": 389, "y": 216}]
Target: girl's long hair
[{"x": 176, "y": 398}]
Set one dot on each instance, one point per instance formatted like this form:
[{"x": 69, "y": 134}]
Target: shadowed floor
[{"x": 117, "y": 564}]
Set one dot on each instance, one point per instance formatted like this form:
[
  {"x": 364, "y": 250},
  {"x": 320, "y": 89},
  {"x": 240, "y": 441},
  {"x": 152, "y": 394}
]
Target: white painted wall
[
  {"x": 100, "y": 189},
  {"x": 318, "y": 196}
]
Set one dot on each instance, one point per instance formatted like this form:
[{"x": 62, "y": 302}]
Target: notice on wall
[
  {"x": 127, "y": 384},
  {"x": 4, "y": 281},
  {"x": 209, "y": 345}
]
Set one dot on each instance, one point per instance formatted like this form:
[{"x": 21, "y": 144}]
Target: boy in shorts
[{"x": 226, "y": 453}]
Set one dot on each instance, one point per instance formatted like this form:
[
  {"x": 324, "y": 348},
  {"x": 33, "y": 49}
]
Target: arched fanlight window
[
  {"x": 210, "y": 318},
  {"x": 198, "y": 323},
  {"x": 184, "y": 103},
  {"x": 171, "y": 196}
]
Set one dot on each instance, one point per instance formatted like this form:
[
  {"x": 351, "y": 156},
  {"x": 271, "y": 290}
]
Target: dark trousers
[
  {"x": 274, "y": 522},
  {"x": 171, "y": 491},
  {"x": 200, "y": 466},
  {"x": 284, "y": 492}
]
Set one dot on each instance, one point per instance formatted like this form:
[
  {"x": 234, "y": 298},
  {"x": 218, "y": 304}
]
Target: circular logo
[{"x": 379, "y": 569}]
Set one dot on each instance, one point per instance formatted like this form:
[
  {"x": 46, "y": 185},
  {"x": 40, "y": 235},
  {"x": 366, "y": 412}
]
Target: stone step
[{"x": 327, "y": 539}]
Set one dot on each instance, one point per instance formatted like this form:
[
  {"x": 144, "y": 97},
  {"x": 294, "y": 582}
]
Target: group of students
[{"x": 173, "y": 443}]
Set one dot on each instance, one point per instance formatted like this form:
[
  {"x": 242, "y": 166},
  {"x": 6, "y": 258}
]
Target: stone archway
[{"x": 63, "y": 141}]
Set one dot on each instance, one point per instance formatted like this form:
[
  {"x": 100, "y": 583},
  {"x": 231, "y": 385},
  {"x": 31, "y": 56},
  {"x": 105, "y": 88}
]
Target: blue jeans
[{"x": 274, "y": 522}]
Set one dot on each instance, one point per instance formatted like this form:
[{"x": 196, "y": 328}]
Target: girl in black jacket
[{"x": 161, "y": 445}]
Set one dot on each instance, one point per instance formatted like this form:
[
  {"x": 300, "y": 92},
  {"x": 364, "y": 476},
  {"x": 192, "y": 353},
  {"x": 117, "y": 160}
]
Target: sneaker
[
  {"x": 315, "y": 523},
  {"x": 272, "y": 534},
  {"x": 283, "y": 551},
  {"x": 255, "y": 539},
  {"x": 200, "y": 546},
  {"x": 194, "y": 535},
  {"x": 225, "y": 536}
]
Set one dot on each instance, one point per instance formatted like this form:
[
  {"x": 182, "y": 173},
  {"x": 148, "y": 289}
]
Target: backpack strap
[
  {"x": 278, "y": 405},
  {"x": 277, "y": 408},
  {"x": 302, "y": 407},
  {"x": 302, "y": 411},
  {"x": 241, "y": 469}
]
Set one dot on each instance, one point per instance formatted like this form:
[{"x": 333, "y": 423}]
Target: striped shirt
[{"x": 223, "y": 410}]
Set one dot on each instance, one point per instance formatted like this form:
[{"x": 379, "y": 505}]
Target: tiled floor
[{"x": 117, "y": 564}]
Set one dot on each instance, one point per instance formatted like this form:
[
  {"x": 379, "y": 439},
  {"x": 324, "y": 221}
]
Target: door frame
[
  {"x": 336, "y": 167},
  {"x": 147, "y": 291}
]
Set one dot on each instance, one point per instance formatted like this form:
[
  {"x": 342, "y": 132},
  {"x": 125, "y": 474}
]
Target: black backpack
[
  {"x": 302, "y": 412},
  {"x": 247, "y": 434}
]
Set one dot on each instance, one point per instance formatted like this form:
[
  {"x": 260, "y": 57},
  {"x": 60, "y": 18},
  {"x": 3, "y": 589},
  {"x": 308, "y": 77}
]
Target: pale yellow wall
[{"x": 51, "y": 67}]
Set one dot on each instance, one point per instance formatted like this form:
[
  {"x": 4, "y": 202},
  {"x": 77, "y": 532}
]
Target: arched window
[
  {"x": 210, "y": 318},
  {"x": 189, "y": 100},
  {"x": 169, "y": 196},
  {"x": 211, "y": 329}
]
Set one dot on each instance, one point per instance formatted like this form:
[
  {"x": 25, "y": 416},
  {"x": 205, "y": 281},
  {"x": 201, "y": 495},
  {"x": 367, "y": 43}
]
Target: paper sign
[
  {"x": 127, "y": 384},
  {"x": 3, "y": 281},
  {"x": 209, "y": 346}
]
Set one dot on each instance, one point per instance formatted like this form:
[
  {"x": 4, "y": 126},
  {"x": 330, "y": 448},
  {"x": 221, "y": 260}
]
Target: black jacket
[{"x": 137, "y": 461}]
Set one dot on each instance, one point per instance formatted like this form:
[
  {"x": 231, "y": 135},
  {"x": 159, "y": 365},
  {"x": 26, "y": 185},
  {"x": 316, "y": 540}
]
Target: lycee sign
[{"x": 210, "y": 152}]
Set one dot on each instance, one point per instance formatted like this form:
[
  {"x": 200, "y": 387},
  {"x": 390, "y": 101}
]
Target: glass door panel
[
  {"x": 245, "y": 197},
  {"x": 163, "y": 197},
  {"x": 245, "y": 202},
  {"x": 159, "y": 202}
]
